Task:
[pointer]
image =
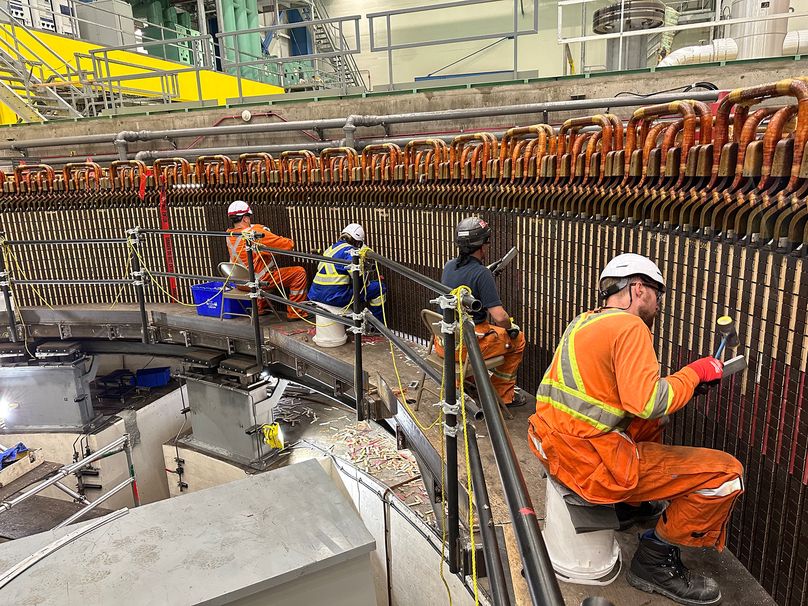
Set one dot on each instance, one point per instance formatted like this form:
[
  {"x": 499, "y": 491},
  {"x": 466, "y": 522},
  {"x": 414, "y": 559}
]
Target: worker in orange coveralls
[
  {"x": 290, "y": 281},
  {"x": 496, "y": 332},
  {"x": 600, "y": 410}
]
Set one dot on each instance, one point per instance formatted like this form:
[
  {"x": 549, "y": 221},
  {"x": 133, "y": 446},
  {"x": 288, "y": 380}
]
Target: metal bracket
[
  {"x": 112, "y": 331},
  {"x": 445, "y": 301},
  {"x": 231, "y": 345},
  {"x": 65, "y": 331},
  {"x": 353, "y": 267},
  {"x": 450, "y": 409},
  {"x": 451, "y": 432},
  {"x": 186, "y": 337},
  {"x": 448, "y": 328}
]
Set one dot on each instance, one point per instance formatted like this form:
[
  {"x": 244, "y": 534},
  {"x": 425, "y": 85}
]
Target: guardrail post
[
  {"x": 538, "y": 569},
  {"x": 451, "y": 408},
  {"x": 359, "y": 386},
  {"x": 254, "y": 294},
  {"x": 138, "y": 279},
  {"x": 5, "y": 281}
]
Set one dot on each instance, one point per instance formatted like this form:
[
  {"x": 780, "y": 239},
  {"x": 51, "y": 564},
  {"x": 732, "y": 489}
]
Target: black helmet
[{"x": 471, "y": 233}]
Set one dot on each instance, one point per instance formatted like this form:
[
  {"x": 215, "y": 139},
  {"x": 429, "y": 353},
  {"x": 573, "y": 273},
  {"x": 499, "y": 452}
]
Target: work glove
[{"x": 708, "y": 369}]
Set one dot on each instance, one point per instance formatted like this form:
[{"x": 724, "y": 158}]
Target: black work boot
[
  {"x": 647, "y": 511},
  {"x": 657, "y": 568}
]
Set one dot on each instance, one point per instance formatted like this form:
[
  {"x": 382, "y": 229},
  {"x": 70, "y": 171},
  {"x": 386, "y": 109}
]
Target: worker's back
[
  {"x": 478, "y": 278},
  {"x": 604, "y": 374}
]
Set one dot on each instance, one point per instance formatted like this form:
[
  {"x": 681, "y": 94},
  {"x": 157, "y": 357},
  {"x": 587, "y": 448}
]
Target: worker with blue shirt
[
  {"x": 332, "y": 283},
  {"x": 496, "y": 332}
]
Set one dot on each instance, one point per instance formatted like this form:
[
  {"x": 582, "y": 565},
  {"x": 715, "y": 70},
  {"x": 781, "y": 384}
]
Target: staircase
[
  {"x": 25, "y": 93},
  {"x": 326, "y": 40},
  {"x": 30, "y": 86}
]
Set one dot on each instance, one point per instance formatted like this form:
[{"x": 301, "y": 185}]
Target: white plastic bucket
[
  {"x": 330, "y": 333},
  {"x": 591, "y": 558}
]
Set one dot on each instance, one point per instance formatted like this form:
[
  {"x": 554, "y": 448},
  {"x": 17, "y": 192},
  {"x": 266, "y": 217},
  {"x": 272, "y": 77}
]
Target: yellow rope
[
  {"x": 458, "y": 293},
  {"x": 10, "y": 254},
  {"x": 403, "y": 398},
  {"x": 145, "y": 269},
  {"x": 249, "y": 235}
]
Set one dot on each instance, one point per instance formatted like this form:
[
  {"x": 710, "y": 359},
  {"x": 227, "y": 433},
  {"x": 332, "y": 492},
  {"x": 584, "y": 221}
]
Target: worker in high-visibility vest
[
  {"x": 600, "y": 411},
  {"x": 290, "y": 281},
  {"x": 497, "y": 333},
  {"x": 332, "y": 283}
]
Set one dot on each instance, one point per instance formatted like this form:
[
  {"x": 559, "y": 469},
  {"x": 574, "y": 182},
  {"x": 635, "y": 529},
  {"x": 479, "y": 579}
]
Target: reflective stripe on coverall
[
  {"x": 494, "y": 341},
  {"x": 332, "y": 283},
  {"x": 597, "y": 429},
  {"x": 292, "y": 280}
]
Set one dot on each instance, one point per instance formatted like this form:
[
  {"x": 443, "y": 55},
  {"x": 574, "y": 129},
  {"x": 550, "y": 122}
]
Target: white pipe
[
  {"x": 796, "y": 43},
  {"x": 721, "y": 49}
]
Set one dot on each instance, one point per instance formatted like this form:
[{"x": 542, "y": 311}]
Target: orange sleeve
[
  {"x": 274, "y": 240},
  {"x": 642, "y": 391}
]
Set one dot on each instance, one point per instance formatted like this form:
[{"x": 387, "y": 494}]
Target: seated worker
[
  {"x": 332, "y": 283},
  {"x": 290, "y": 281},
  {"x": 600, "y": 411},
  {"x": 496, "y": 333}
]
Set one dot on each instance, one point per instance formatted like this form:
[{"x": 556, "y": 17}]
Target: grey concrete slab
[{"x": 213, "y": 546}]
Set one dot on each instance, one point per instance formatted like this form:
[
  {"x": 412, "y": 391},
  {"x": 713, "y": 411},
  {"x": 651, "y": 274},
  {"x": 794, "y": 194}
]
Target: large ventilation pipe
[
  {"x": 796, "y": 43},
  {"x": 722, "y": 49},
  {"x": 759, "y": 38},
  {"x": 630, "y": 52}
]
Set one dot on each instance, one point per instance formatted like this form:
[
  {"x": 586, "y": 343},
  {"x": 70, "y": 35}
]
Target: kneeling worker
[
  {"x": 497, "y": 335},
  {"x": 600, "y": 410},
  {"x": 290, "y": 281},
  {"x": 332, "y": 283}
]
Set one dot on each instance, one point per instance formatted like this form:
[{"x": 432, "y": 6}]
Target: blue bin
[
  {"x": 159, "y": 376},
  {"x": 208, "y": 301}
]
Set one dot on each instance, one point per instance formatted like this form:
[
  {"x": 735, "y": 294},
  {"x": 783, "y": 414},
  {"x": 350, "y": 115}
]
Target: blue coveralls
[{"x": 332, "y": 283}]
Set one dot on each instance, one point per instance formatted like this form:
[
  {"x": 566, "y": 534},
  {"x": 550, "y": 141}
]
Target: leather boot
[{"x": 657, "y": 568}]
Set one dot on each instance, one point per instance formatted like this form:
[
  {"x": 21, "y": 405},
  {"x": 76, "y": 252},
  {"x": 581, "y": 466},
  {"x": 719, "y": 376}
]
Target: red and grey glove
[{"x": 708, "y": 369}]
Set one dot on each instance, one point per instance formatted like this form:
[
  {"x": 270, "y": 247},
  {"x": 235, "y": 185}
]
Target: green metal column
[
  {"x": 254, "y": 39},
  {"x": 229, "y": 25}
]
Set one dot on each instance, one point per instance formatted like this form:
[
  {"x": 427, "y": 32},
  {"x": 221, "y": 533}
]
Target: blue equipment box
[
  {"x": 159, "y": 376},
  {"x": 208, "y": 301}
]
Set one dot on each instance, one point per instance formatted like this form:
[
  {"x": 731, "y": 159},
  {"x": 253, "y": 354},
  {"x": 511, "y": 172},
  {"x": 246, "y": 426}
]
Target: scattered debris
[{"x": 292, "y": 414}]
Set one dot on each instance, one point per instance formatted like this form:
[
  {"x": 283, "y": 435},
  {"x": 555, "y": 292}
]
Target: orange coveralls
[
  {"x": 288, "y": 280},
  {"x": 598, "y": 426},
  {"x": 494, "y": 341}
]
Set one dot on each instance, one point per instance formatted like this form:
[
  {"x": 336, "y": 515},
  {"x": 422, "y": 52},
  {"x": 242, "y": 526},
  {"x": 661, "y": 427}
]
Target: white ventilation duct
[
  {"x": 721, "y": 49},
  {"x": 796, "y": 43},
  {"x": 758, "y": 38}
]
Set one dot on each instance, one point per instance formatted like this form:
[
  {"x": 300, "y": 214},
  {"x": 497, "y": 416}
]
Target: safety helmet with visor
[
  {"x": 626, "y": 266},
  {"x": 471, "y": 233}
]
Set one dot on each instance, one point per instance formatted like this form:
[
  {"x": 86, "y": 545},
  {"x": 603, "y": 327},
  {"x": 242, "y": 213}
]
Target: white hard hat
[
  {"x": 630, "y": 264},
  {"x": 355, "y": 231},
  {"x": 237, "y": 208}
]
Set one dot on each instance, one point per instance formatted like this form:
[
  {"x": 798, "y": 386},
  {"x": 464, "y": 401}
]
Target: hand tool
[{"x": 497, "y": 267}]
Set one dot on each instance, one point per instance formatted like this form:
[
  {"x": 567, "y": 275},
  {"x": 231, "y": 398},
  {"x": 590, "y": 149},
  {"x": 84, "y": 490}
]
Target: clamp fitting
[
  {"x": 353, "y": 267},
  {"x": 450, "y": 409},
  {"x": 448, "y": 328},
  {"x": 451, "y": 431},
  {"x": 445, "y": 301}
]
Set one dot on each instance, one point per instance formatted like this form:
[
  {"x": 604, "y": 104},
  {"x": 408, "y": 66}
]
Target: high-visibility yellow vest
[
  {"x": 563, "y": 388},
  {"x": 327, "y": 274}
]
